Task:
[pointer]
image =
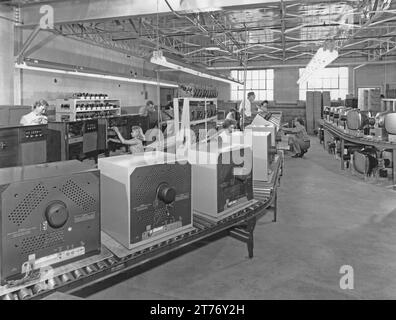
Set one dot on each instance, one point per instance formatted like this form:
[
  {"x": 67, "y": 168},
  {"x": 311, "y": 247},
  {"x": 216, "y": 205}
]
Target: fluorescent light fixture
[
  {"x": 213, "y": 49},
  {"x": 94, "y": 75},
  {"x": 319, "y": 61},
  {"x": 159, "y": 59}
]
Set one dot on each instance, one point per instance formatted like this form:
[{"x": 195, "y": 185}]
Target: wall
[
  {"x": 6, "y": 58},
  {"x": 285, "y": 85},
  {"x": 36, "y": 84},
  {"x": 373, "y": 76},
  {"x": 59, "y": 49}
]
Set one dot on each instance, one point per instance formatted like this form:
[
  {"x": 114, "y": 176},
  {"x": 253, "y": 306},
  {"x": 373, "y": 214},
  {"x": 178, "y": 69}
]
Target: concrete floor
[{"x": 326, "y": 219}]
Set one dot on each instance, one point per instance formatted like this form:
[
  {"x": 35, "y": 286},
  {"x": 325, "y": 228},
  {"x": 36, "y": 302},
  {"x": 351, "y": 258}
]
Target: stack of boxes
[{"x": 316, "y": 101}]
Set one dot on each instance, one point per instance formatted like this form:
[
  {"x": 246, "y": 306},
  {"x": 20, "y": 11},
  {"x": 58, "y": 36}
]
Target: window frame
[
  {"x": 257, "y": 80},
  {"x": 326, "y": 82}
]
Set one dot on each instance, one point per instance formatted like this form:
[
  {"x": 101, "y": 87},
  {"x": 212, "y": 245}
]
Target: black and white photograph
[{"x": 193, "y": 157}]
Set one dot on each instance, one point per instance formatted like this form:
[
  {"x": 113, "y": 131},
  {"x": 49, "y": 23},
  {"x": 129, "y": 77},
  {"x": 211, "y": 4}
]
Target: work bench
[{"x": 345, "y": 137}]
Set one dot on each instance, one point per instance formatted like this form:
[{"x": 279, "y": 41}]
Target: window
[
  {"x": 261, "y": 82},
  {"x": 334, "y": 80}
]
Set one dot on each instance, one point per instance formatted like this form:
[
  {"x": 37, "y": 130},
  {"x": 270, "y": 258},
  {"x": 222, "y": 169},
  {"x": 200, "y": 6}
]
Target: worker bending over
[{"x": 299, "y": 138}]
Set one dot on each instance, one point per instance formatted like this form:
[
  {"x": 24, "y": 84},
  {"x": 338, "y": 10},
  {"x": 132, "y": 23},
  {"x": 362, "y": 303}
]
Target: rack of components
[
  {"x": 93, "y": 273},
  {"x": 196, "y": 116},
  {"x": 196, "y": 91},
  {"x": 86, "y": 107},
  {"x": 124, "y": 123},
  {"x": 68, "y": 140},
  {"x": 23, "y": 145}
]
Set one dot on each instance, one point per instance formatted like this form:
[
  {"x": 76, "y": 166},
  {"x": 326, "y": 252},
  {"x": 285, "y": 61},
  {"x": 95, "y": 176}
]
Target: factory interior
[{"x": 198, "y": 150}]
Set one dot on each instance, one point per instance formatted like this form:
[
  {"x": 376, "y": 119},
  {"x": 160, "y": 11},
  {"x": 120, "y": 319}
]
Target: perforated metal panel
[
  {"x": 41, "y": 241},
  {"x": 158, "y": 174},
  {"x": 23, "y": 205},
  {"x": 76, "y": 194},
  {"x": 229, "y": 188},
  {"x": 28, "y": 204},
  {"x": 153, "y": 217},
  {"x": 145, "y": 211}
]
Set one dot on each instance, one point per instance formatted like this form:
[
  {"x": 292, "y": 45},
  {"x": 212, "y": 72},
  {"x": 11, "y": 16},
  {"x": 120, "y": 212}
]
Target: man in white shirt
[
  {"x": 36, "y": 116},
  {"x": 248, "y": 108}
]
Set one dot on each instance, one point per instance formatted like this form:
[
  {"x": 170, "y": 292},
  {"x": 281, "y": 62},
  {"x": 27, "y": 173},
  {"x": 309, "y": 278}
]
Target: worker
[
  {"x": 135, "y": 144},
  {"x": 263, "y": 107},
  {"x": 299, "y": 138},
  {"x": 37, "y": 115},
  {"x": 263, "y": 110},
  {"x": 150, "y": 111},
  {"x": 247, "y": 104},
  {"x": 232, "y": 114}
]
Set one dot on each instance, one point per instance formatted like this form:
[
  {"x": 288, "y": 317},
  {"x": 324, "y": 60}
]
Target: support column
[
  {"x": 6, "y": 56},
  {"x": 342, "y": 146}
]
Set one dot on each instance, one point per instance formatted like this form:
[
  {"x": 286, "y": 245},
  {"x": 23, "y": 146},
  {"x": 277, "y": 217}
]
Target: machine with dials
[{"x": 23, "y": 145}]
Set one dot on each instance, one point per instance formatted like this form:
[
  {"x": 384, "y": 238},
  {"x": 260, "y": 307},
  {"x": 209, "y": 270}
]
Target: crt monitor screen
[{"x": 390, "y": 123}]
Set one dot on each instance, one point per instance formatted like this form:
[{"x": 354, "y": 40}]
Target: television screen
[
  {"x": 390, "y": 123},
  {"x": 354, "y": 119}
]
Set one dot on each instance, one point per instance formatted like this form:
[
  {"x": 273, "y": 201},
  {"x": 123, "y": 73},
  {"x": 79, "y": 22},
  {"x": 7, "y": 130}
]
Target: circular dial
[
  {"x": 166, "y": 193},
  {"x": 56, "y": 214}
]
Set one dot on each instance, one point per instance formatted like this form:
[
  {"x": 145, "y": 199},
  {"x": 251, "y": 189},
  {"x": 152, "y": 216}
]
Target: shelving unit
[
  {"x": 86, "y": 109},
  {"x": 197, "y": 114}
]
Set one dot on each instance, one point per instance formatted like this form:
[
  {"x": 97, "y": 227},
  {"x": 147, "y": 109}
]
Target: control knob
[
  {"x": 56, "y": 214},
  {"x": 166, "y": 193}
]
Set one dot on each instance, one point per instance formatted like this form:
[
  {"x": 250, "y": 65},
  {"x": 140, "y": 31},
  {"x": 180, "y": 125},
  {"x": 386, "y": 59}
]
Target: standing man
[
  {"x": 37, "y": 115},
  {"x": 248, "y": 109},
  {"x": 149, "y": 111}
]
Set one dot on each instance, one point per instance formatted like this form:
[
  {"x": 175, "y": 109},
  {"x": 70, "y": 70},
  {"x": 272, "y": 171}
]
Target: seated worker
[
  {"x": 263, "y": 107},
  {"x": 299, "y": 138},
  {"x": 229, "y": 126},
  {"x": 232, "y": 114},
  {"x": 36, "y": 116},
  {"x": 135, "y": 144},
  {"x": 263, "y": 110}
]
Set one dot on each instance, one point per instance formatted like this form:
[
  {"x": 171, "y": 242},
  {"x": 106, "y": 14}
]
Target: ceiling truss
[{"x": 281, "y": 32}]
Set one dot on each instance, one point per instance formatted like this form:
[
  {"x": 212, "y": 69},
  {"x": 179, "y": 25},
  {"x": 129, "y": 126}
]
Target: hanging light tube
[
  {"x": 322, "y": 58},
  {"x": 93, "y": 75},
  {"x": 161, "y": 60}
]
